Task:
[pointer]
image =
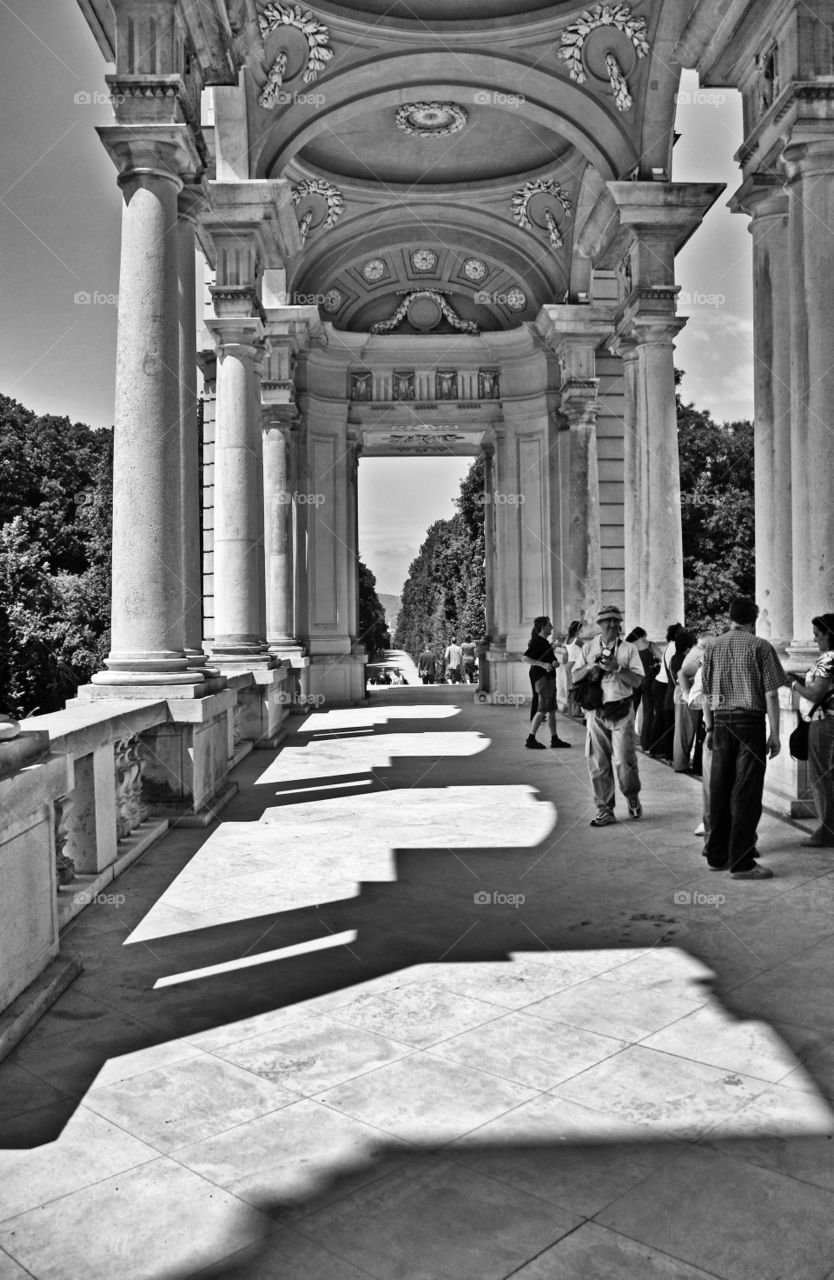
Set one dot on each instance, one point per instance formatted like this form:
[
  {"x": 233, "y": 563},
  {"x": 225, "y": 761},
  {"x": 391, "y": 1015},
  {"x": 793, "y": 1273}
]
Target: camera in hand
[{"x": 606, "y": 655}]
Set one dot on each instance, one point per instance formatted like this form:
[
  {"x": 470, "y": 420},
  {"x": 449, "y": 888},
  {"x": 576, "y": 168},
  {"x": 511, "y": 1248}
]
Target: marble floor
[{"x": 403, "y": 1014}]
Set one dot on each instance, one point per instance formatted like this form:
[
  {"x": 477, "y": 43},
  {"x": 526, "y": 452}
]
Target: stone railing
[{"x": 85, "y": 791}]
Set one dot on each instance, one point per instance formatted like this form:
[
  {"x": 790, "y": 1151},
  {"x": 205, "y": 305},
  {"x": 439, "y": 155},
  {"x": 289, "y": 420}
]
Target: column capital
[
  {"x": 257, "y": 216},
  {"x": 164, "y": 150},
  {"x": 283, "y": 418},
  {"x": 809, "y": 157},
  {"x": 580, "y": 401},
  {"x": 672, "y": 210},
  {"x": 241, "y": 333},
  {"x": 760, "y": 196}
]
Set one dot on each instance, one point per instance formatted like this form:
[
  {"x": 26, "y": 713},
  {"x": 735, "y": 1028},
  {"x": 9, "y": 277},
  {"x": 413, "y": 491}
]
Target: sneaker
[
  {"x": 556, "y": 741},
  {"x": 699, "y": 830},
  {"x": 533, "y": 744},
  {"x": 635, "y": 808},
  {"x": 604, "y": 818},
  {"x": 755, "y": 873}
]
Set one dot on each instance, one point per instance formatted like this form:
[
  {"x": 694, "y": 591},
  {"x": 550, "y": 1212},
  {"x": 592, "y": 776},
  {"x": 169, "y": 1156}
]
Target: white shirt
[{"x": 666, "y": 660}]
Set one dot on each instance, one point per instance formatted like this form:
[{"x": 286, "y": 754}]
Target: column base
[
  {"x": 157, "y": 678},
  {"x": 197, "y": 686}
]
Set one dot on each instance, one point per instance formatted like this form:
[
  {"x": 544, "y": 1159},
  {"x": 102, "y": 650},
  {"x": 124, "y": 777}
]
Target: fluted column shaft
[
  {"x": 190, "y": 201},
  {"x": 584, "y": 577}
]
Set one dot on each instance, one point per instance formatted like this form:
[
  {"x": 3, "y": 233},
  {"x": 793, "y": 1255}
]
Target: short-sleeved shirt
[
  {"x": 823, "y": 669},
  {"x": 666, "y": 661},
  {"x": 453, "y": 656},
  {"x": 539, "y": 650},
  {"x": 739, "y": 670},
  {"x": 614, "y": 688}
]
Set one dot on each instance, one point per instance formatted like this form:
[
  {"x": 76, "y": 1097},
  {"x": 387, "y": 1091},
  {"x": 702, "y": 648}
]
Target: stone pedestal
[
  {"x": 187, "y": 759},
  {"x": 31, "y": 781},
  {"x": 264, "y": 701}
]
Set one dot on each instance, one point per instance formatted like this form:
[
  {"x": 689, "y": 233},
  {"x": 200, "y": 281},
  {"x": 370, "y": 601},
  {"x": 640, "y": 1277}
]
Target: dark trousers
[{"x": 739, "y": 758}]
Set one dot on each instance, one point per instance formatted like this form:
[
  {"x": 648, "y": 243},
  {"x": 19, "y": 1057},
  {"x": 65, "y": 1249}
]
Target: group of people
[
  {"x": 718, "y": 694},
  {"x": 459, "y": 664}
]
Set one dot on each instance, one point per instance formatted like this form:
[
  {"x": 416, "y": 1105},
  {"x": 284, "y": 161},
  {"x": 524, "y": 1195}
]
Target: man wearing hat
[{"x": 611, "y": 744}]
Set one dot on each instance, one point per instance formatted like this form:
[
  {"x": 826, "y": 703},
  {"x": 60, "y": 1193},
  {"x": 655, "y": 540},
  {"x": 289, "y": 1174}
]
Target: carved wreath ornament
[
  {"x": 542, "y": 187},
  {"x": 437, "y": 296},
  {"x": 330, "y": 194},
  {"x": 604, "y": 15},
  {"x": 274, "y": 16}
]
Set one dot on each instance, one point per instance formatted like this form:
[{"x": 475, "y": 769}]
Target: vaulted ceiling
[{"x": 444, "y": 154}]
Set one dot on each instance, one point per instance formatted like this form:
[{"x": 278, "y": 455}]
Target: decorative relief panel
[
  {"x": 320, "y": 205},
  {"x": 304, "y": 46},
  {"x": 402, "y": 387},
  {"x": 536, "y": 205},
  {"x": 373, "y": 270},
  {"x": 430, "y": 119},
  {"x": 424, "y": 309},
  {"x": 446, "y": 384},
  {"x": 474, "y": 269},
  {"x": 423, "y": 260},
  {"x": 587, "y": 48}
]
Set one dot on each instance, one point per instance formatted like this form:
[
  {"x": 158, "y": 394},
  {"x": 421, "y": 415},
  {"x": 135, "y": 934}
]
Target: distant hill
[{"x": 392, "y": 606}]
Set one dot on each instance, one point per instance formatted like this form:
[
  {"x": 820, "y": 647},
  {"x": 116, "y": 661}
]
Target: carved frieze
[{"x": 426, "y": 316}]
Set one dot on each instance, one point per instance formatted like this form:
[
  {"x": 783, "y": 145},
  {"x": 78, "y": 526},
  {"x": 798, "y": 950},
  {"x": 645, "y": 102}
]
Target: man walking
[
  {"x": 740, "y": 675},
  {"x": 426, "y": 666},
  {"x": 453, "y": 658},
  {"x": 611, "y": 744}
]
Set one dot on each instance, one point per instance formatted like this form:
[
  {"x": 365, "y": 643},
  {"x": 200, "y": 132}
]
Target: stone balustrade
[{"x": 85, "y": 791}]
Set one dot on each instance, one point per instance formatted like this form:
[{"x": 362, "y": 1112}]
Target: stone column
[
  {"x": 280, "y": 623},
  {"x": 489, "y": 539},
  {"x": 354, "y": 449},
  {"x": 191, "y": 201},
  {"x": 239, "y": 637},
  {"x": 634, "y": 468},
  {"x": 584, "y": 577},
  {"x": 810, "y": 169},
  {"x": 768, "y": 205},
  {"x": 658, "y": 527},
  {"x": 148, "y": 630}
]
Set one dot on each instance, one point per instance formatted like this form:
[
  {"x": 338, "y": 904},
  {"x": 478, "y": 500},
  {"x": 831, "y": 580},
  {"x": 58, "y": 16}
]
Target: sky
[{"x": 59, "y": 266}]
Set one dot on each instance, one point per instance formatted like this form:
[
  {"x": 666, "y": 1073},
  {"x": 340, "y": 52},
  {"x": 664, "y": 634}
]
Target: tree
[
  {"x": 373, "y": 628},
  {"x": 717, "y": 507},
  {"x": 445, "y": 591},
  {"x": 55, "y": 522}
]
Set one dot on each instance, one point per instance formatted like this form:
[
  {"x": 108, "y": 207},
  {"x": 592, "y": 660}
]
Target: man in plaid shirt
[{"x": 741, "y": 677}]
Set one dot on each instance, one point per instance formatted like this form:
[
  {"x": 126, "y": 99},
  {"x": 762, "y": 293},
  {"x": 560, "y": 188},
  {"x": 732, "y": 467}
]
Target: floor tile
[
  {"x": 21, "y": 1091},
  {"x": 11, "y": 1270},
  {"x": 613, "y": 1009},
  {"x": 87, "y": 1150},
  {"x": 157, "y": 1220},
  {"x": 479, "y": 1229},
  {"x": 425, "y": 1100},
  {"x": 532, "y": 1052},
  {"x": 763, "y": 1224},
  {"x": 790, "y": 1132},
  {"x": 672, "y": 1096},
  {"x": 299, "y": 1158},
  {"x": 312, "y": 1053},
  {"x": 716, "y": 1037},
  {"x": 174, "y": 1105},
  {"x": 565, "y": 1153},
  {"x": 594, "y": 1251},
  {"x": 284, "y": 1255},
  {"x": 419, "y": 1014}
]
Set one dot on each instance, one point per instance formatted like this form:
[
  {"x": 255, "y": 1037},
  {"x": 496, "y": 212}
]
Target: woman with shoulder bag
[
  {"x": 819, "y": 689},
  {"x": 542, "y": 660}
]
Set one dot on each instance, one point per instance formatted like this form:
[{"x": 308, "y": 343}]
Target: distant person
[
  {"x": 663, "y": 727},
  {"x": 542, "y": 661},
  {"x": 610, "y": 746},
  {"x": 685, "y": 722},
  {"x": 819, "y": 689},
  {"x": 573, "y": 650},
  {"x": 690, "y": 682},
  {"x": 741, "y": 676},
  {"x": 468, "y": 665},
  {"x": 427, "y": 666},
  {"x": 453, "y": 658}
]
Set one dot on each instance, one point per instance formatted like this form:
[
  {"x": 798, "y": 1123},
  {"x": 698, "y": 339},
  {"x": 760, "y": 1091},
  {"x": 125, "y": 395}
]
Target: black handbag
[
  {"x": 586, "y": 694},
  {"x": 798, "y": 741}
]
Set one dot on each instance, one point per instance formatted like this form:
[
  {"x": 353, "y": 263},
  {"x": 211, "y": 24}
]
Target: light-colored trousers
[{"x": 610, "y": 747}]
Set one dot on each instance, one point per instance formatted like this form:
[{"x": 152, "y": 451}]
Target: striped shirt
[{"x": 738, "y": 670}]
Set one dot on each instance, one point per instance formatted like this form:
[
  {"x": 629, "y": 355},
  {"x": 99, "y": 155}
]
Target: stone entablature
[{"x": 467, "y": 388}]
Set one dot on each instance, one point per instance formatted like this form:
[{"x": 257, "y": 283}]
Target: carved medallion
[
  {"x": 516, "y": 300},
  {"x": 586, "y": 54},
  {"x": 333, "y": 299},
  {"x": 536, "y": 204},
  {"x": 474, "y": 269},
  {"x": 423, "y": 260},
  {"x": 321, "y": 205},
  {"x": 430, "y": 119},
  {"x": 373, "y": 270},
  {"x": 287, "y": 20}
]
